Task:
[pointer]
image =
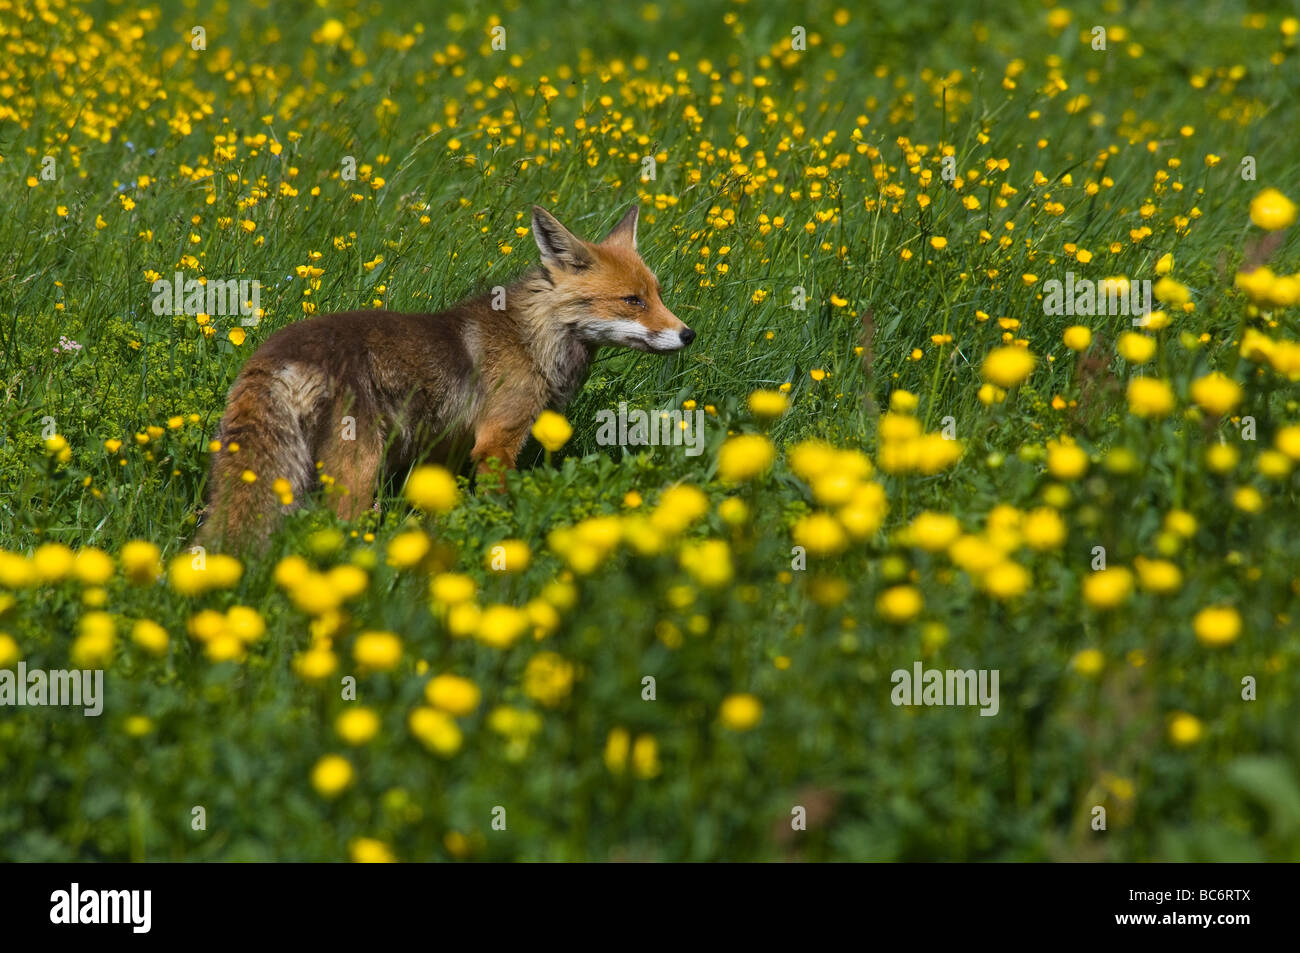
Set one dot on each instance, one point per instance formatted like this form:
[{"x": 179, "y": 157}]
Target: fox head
[{"x": 604, "y": 291}]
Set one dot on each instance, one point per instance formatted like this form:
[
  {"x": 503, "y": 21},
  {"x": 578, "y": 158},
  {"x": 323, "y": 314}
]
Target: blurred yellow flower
[
  {"x": 1136, "y": 348},
  {"x": 1108, "y": 588},
  {"x": 1007, "y": 366},
  {"x": 356, "y": 726},
  {"x": 768, "y": 404},
  {"x": 1185, "y": 730},
  {"x": 1271, "y": 210},
  {"x": 1088, "y": 662},
  {"x": 745, "y": 457},
  {"x": 1217, "y": 626},
  {"x": 1150, "y": 398},
  {"x": 740, "y": 712},
  {"x": 377, "y": 651},
  {"x": 1077, "y": 337},
  {"x": 452, "y": 694},
  {"x": 1216, "y": 393},
  {"x": 432, "y": 489},
  {"x": 552, "y": 430},
  {"x": 367, "y": 850},
  {"x": 548, "y": 679},
  {"x": 900, "y": 603},
  {"x": 436, "y": 730},
  {"x": 1066, "y": 460},
  {"x": 331, "y": 776}
]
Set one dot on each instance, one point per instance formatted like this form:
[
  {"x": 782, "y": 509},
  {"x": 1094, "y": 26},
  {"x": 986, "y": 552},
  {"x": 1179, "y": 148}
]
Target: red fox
[{"x": 361, "y": 393}]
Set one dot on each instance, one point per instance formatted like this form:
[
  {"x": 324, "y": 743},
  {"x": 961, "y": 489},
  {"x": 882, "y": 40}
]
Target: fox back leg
[{"x": 351, "y": 457}]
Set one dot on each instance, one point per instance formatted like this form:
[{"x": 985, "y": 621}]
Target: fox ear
[
  {"x": 624, "y": 233},
  {"x": 560, "y": 248}
]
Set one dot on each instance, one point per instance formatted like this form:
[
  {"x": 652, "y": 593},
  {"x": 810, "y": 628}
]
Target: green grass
[{"x": 835, "y": 141}]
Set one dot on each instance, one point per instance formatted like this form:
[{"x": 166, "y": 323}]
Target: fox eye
[{"x": 634, "y": 301}]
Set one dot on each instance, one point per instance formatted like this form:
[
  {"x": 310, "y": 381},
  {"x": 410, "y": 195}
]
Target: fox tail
[{"x": 264, "y": 459}]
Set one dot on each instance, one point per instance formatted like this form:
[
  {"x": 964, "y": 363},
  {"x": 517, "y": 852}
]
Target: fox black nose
[{"x": 687, "y": 335}]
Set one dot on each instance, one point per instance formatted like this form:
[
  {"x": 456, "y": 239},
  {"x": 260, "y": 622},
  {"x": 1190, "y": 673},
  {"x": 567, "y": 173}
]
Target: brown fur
[{"x": 468, "y": 382}]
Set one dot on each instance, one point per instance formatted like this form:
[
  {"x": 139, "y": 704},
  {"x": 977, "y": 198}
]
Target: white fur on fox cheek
[{"x": 624, "y": 333}]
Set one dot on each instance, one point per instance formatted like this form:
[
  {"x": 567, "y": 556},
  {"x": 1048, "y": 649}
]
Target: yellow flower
[
  {"x": 453, "y": 694},
  {"x": 1066, "y": 461},
  {"x": 1181, "y": 522},
  {"x": 768, "y": 404},
  {"x": 617, "y": 745},
  {"x": 865, "y": 511},
  {"x": 451, "y": 589},
  {"x": 1007, "y": 580},
  {"x": 811, "y": 458},
  {"x": 347, "y": 581},
  {"x": 52, "y": 562},
  {"x": 331, "y": 775},
  {"x": 543, "y": 617},
  {"x": 358, "y": 725},
  {"x": 745, "y": 457},
  {"x": 94, "y": 646},
  {"x": 1108, "y": 588},
  {"x": 150, "y": 636},
  {"x": 1222, "y": 457},
  {"x": 1288, "y": 441},
  {"x": 1185, "y": 730},
  {"x": 1273, "y": 464},
  {"x": 820, "y": 534},
  {"x": 463, "y": 619},
  {"x": 1150, "y": 398},
  {"x": 1171, "y": 292},
  {"x": 367, "y": 850},
  {"x": 245, "y": 623},
  {"x": 315, "y": 664},
  {"x": 377, "y": 651},
  {"x": 708, "y": 562},
  {"x": 733, "y": 511},
  {"x": 678, "y": 508},
  {"x": 501, "y": 626},
  {"x": 432, "y": 489},
  {"x": 1077, "y": 337},
  {"x": 407, "y": 549},
  {"x": 903, "y": 402},
  {"x": 1007, "y": 366},
  {"x": 436, "y": 730},
  {"x": 933, "y": 532},
  {"x": 1043, "y": 529},
  {"x": 1136, "y": 348},
  {"x": 1217, "y": 626},
  {"x": 1271, "y": 210},
  {"x": 331, "y": 31},
  {"x": 900, "y": 603},
  {"x": 1158, "y": 575},
  {"x": 1088, "y": 662},
  {"x": 552, "y": 430},
  {"x": 509, "y": 555},
  {"x": 314, "y": 595},
  {"x": 140, "y": 562},
  {"x": 1248, "y": 499},
  {"x": 548, "y": 678},
  {"x": 740, "y": 712},
  {"x": 645, "y": 756},
  {"x": 291, "y": 571},
  {"x": 94, "y": 567},
  {"x": 10, "y": 653},
  {"x": 137, "y": 726},
  {"x": 1216, "y": 393}
]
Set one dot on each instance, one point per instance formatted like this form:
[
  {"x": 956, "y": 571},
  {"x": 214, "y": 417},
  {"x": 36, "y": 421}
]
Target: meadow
[{"x": 920, "y": 451}]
